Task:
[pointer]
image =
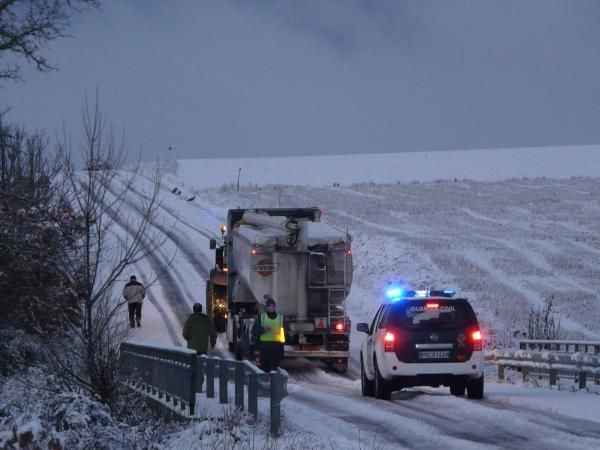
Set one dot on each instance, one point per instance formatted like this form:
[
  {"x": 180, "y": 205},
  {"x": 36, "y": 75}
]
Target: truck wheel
[
  {"x": 382, "y": 387},
  {"x": 367, "y": 386},
  {"x": 475, "y": 388},
  {"x": 237, "y": 342},
  {"x": 242, "y": 341}
]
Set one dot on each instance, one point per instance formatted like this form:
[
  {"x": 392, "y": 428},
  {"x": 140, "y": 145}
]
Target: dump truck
[{"x": 290, "y": 255}]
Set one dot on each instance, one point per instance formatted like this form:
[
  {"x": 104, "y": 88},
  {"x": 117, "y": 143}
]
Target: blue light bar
[
  {"x": 449, "y": 292},
  {"x": 394, "y": 293}
]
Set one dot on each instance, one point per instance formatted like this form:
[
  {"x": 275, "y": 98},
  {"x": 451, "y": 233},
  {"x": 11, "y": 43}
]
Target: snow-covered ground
[{"x": 510, "y": 229}]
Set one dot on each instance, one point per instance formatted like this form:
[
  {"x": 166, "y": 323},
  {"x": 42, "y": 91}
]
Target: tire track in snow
[
  {"x": 498, "y": 423},
  {"x": 173, "y": 335},
  {"x": 200, "y": 263},
  {"x": 174, "y": 294},
  {"x": 180, "y": 308}
]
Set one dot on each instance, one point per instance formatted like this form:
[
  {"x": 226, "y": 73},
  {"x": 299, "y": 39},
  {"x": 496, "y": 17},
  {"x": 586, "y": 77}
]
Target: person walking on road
[
  {"x": 271, "y": 337},
  {"x": 198, "y": 330},
  {"x": 134, "y": 292}
]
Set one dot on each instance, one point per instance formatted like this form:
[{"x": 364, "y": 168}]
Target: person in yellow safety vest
[{"x": 271, "y": 336}]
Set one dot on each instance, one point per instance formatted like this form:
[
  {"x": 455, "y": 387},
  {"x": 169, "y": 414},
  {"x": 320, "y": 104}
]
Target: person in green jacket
[{"x": 197, "y": 331}]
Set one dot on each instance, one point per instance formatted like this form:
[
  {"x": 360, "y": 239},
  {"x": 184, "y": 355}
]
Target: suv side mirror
[
  {"x": 213, "y": 244},
  {"x": 362, "y": 327}
]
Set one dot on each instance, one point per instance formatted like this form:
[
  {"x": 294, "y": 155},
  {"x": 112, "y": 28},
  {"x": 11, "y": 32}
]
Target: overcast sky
[{"x": 229, "y": 78}]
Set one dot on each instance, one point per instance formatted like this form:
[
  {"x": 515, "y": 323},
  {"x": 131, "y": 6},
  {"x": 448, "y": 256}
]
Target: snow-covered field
[{"x": 510, "y": 229}]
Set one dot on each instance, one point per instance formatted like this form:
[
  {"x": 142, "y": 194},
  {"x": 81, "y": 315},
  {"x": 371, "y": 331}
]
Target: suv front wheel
[
  {"x": 382, "y": 387},
  {"x": 475, "y": 388}
]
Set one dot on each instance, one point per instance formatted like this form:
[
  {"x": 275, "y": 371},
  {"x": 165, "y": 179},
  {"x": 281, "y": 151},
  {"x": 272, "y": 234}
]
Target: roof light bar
[{"x": 395, "y": 293}]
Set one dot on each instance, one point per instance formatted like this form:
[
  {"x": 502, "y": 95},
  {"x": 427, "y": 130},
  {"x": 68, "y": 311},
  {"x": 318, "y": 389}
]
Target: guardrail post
[
  {"x": 253, "y": 394},
  {"x": 239, "y": 385},
  {"x": 582, "y": 379},
  {"x": 223, "y": 381},
  {"x": 210, "y": 378},
  {"x": 200, "y": 362},
  {"x": 275, "y": 403},
  {"x": 160, "y": 378},
  {"x": 553, "y": 374},
  {"x": 500, "y": 372},
  {"x": 192, "y": 387}
]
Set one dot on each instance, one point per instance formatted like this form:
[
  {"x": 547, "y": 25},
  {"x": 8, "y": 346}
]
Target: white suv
[{"x": 422, "y": 338}]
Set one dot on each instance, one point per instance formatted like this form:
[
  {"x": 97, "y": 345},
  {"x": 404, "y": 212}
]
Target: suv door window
[
  {"x": 375, "y": 319},
  {"x": 431, "y": 315},
  {"x": 383, "y": 317}
]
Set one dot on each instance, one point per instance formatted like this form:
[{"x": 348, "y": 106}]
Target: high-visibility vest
[{"x": 276, "y": 333}]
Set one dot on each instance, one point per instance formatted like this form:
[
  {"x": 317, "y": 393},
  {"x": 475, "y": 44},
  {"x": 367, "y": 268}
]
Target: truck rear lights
[
  {"x": 338, "y": 327},
  {"x": 388, "y": 342},
  {"x": 476, "y": 339},
  {"x": 253, "y": 251},
  {"x": 349, "y": 252}
]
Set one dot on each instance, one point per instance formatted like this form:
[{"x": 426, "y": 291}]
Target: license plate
[{"x": 444, "y": 354}]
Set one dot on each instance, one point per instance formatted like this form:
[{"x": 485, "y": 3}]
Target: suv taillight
[
  {"x": 388, "y": 342},
  {"x": 476, "y": 340}
]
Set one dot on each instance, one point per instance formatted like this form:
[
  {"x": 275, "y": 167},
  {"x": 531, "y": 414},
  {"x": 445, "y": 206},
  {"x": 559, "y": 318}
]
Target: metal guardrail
[
  {"x": 572, "y": 359},
  {"x": 179, "y": 374},
  {"x": 591, "y": 347}
]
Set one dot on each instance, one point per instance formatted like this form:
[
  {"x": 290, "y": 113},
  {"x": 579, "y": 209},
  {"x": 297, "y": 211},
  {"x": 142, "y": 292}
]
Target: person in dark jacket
[
  {"x": 134, "y": 292},
  {"x": 198, "y": 330},
  {"x": 271, "y": 337}
]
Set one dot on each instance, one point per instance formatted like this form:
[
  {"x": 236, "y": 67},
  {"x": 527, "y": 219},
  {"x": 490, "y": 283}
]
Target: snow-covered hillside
[
  {"x": 508, "y": 242},
  {"x": 508, "y": 245},
  {"x": 481, "y": 165}
]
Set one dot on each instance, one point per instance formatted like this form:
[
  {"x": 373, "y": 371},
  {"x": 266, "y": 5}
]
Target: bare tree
[
  {"x": 86, "y": 356},
  {"x": 542, "y": 323},
  {"x": 26, "y": 26}
]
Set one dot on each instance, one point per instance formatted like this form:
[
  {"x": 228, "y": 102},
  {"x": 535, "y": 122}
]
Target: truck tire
[
  {"x": 237, "y": 347},
  {"x": 241, "y": 339}
]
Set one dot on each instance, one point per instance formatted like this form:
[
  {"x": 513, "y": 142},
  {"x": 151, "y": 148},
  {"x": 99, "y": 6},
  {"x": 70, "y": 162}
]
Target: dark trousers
[
  {"x": 135, "y": 313},
  {"x": 270, "y": 355}
]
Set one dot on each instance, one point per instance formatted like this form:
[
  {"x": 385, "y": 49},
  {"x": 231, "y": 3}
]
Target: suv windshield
[{"x": 430, "y": 315}]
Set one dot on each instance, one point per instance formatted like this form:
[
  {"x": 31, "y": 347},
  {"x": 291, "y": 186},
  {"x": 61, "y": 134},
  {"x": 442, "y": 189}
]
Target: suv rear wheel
[
  {"x": 382, "y": 387},
  {"x": 475, "y": 388},
  {"x": 367, "y": 386}
]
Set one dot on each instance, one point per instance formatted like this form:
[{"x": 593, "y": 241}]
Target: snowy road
[{"x": 511, "y": 416}]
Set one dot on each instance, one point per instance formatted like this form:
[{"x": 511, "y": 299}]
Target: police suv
[{"x": 422, "y": 338}]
